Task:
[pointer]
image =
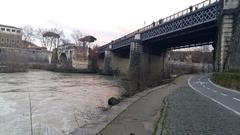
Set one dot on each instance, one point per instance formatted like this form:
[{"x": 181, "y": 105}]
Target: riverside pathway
[
  {"x": 229, "y": 99},
  {"x": 178, "y": 109},
  {"x": 142, "y": 117},
  {"x": 202, "y": 108}
]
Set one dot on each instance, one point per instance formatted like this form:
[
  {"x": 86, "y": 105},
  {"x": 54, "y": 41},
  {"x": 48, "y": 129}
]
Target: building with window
[{"x": 10, "y": 36}]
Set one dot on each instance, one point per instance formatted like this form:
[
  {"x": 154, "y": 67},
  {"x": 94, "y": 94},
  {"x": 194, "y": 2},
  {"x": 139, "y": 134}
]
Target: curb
[{"x": 221, "y": 87}]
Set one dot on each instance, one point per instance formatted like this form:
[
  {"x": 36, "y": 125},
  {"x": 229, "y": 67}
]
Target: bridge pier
[
  {"x": 135, "y": 59},
  {"x": 115, "y": 63},
  {"x": 145, "y": 67},
  {"x": 234, "y": 57},
  {"x": 225, "y": 40},
  {"x": 135, "y": 73},
  {"x": 107, "y": 63}
]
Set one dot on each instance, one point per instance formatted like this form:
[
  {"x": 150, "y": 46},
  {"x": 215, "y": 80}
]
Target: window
[
  {"x": 18, "y": 31},
  {"x": 13, "y": 30},
  {"x": 8, "y": 30},
  {"x": 3, "y": 29}
]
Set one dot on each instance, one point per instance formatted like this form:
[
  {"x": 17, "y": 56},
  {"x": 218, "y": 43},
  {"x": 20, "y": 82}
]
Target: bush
[{"x": 227, "y": 79}]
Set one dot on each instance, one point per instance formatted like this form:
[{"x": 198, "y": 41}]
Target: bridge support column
[
  {"x": 138, "y": 67},
  {"x": 234, "y": 57},
  {"x": 226, "y": 32},
  {"x": 115, "y": 63},
  {"x": 146, "y": 67},
  {"x": 107, "y": 63},
  {"x": 135, "y": 62}
]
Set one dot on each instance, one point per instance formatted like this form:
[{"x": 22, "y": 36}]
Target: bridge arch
[{"x": 63, "y": 59}]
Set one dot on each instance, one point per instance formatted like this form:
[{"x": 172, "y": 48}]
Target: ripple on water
[
  {"x": 61, "y": 102},
  {"x": 6, "y": 107}
]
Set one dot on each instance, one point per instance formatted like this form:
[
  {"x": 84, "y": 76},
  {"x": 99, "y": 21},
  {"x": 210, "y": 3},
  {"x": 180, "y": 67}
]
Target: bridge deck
[{"x": 200, "y": 14}]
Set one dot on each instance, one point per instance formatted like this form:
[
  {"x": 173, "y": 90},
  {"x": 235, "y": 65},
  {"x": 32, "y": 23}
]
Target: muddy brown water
[{"x": 61, "y": 102}]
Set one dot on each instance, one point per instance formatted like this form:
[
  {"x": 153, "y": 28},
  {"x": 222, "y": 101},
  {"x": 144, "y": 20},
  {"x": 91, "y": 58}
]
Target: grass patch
[{"x": 227, "y": 79}]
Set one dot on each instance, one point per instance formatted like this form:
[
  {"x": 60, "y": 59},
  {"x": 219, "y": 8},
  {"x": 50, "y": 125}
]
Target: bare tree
[
  {"x": 76, "y": 35},
  {"x": 50, "y": 38},
  {"x": 206, "y": 48},
  {"x": 39, "y": 36},
  {"x": 28, "y": 33}
]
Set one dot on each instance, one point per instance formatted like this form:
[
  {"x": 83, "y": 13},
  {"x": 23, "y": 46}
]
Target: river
[{"x": 61, "y": 102}]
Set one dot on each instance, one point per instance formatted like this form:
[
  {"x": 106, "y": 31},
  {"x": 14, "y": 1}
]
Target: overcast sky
[{"x": 104, "y": 19}]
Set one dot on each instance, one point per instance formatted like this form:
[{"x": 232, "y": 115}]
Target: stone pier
[
  {"x": 141, "y": 66},
  {"x": 234, "y": 57},
  {"x": 135, "y": 60},
  {"x": 114, "y": 63},
  {"x": 107, "y": 62},
  {"x": 225, "y": 39}
]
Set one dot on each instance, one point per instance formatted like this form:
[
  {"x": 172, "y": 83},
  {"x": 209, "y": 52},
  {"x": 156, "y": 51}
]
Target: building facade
[{"x": 10, "y": 36}]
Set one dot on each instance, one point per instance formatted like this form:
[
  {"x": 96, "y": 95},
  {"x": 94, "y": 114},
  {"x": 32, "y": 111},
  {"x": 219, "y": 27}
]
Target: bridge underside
[
  {"x": 193, "y": 36},
  {"x": 155, "y": 50}
]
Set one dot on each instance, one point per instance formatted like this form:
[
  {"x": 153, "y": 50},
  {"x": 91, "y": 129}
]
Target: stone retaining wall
[{"x": 28, "y": 58}]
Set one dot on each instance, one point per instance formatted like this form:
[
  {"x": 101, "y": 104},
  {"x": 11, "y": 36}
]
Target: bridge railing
[
  {"x": 165, "y": 20},
  {"x": 179, "y": 14}
]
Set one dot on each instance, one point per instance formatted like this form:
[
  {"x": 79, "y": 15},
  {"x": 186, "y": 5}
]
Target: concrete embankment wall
[{"x": 30, "y": 57}]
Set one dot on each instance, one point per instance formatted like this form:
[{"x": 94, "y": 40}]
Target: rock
[{"x": 113, "y": 101}]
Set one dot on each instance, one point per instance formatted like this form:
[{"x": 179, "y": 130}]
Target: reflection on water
[{"x": 61, "y": 102}]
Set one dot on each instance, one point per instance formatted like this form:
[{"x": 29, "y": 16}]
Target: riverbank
[
  {"x": 112, "y": 113},
  {"x": 141, "y": 117}
]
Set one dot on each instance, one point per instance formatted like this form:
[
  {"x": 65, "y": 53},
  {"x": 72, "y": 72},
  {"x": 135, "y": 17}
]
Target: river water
[{"x": 61, "y": 102}]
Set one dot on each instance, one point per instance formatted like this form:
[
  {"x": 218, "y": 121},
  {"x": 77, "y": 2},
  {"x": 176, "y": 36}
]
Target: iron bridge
[{"x": 202, "y": 13}]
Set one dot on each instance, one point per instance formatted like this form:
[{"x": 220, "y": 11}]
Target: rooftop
[{"x": 1, "y": 25}]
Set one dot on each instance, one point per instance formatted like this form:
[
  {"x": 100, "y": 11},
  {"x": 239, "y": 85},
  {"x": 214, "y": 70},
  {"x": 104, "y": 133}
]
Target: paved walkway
[
  {"x": 201, "y": 111},
  {"x": 141, "y": 117},
  {"x": 229, "y": 99}
]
